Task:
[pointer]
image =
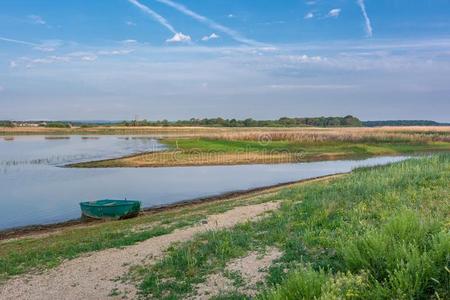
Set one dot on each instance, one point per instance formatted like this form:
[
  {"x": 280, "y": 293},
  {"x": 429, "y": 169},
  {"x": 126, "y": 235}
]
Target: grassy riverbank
[
  {"x": 204, "y": 151},
  {"x": 46, "y": 249},
  {"x": 380, "y": 233}
]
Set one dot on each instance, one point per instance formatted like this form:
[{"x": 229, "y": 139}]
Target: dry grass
[
  {"x": 298, "y": 134},
  {"x": 314, "y": 135}
]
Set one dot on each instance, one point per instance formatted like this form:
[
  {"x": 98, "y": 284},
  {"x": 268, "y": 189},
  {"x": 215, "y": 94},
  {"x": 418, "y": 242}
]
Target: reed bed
[
  {"x": 301, "y": 134},
  {"x": 369, "y": 135}
]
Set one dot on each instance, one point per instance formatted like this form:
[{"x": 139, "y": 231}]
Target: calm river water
[{"x": 35, "y": 190}]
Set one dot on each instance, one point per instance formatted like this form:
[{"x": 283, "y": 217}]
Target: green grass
[
  {"x": 380, "y": 233},
  {"x": 308, "y": 149},
  {"x": 31, "y": 254}
]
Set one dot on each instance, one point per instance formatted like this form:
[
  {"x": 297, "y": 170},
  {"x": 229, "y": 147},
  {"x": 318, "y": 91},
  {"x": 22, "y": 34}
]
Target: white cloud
[
  {"x": 309, "y": 15},
  {"x": 129, "y": 41},
  {"x": 115, "y": 52},
  {"x": 303, "y": 58},
  {"x": 368, "y": 24},
  {"x": 178, "y": 38},
  {"x": 130, "y": 23},
  {"x": 2, "y": 88},
  {"x": 231, "y": 16},
  {"x": 334, "y": 13},
  {"x": 89, "y": 58},
  {"x": 49, "y": 45},
  {"x": 12, "y": 64},
  {"x": 212, "y": 24},
  {"x": 37, "y": 20},
  {"x": 212, "y": 36},
  {"x": 155, "y": 16},
  {"x": 44, "y": 48}
]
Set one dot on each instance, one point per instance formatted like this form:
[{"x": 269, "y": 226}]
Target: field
[
  {"x": 378, "y": 233},
  {"x": 224, "y": 146}
]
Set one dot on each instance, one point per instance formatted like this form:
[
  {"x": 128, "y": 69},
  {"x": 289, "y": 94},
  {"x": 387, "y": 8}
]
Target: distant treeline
[
  {"x": 282, "y": 122},
  {"x": 403, "y": 123},
  {"x": 6, "y": 124},
  {"x": 347, "y": 121}
]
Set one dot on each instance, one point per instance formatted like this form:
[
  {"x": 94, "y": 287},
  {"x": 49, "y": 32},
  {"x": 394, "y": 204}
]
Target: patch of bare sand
[
  {"x": 251, "y": 268},
  {"x": 94, "y": 276}
]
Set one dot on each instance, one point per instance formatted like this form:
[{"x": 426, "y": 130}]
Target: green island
[{"x": 212, "y": 151}]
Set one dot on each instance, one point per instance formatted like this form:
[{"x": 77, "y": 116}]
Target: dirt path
[
  {"x": 252, "y": 269},
  {"x": 94, "y": 276}
]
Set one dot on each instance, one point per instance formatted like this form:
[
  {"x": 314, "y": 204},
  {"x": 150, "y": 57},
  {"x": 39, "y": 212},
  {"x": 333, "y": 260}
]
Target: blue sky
[{"x": 177, "y": 59}]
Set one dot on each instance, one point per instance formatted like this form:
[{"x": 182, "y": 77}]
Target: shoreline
[
  {"x": 37, "y": 229},
  {"x": 289, "y": 158}
]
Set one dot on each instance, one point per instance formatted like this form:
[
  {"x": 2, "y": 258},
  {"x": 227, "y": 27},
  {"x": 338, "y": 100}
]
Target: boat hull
[{"x": 110, "y": 209}]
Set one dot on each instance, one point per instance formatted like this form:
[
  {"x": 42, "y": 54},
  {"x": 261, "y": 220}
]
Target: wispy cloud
[
  {"x": 129, "y": 41},
  {"x": 212, "y": 24},
  {"x": 303, "y": 58},
  {"x": 37, "y": 20},
  {"x": 130, "y": 23},
  {"x": 212, "y": 36},
  {"x": 155, "y": 16},
  {"x": 309, "y": 15},
  {"x": 368, "y": 24},
  {"x": 78, "y": 56},
  {"x": 334, "y": 13},
  {"x": 2, "y": 88}
]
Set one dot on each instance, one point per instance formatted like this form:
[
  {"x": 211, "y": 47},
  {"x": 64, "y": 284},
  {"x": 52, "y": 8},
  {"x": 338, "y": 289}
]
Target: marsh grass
[
  {"x": 380, "y": 233},
  {"x": 209, "y": 151}
]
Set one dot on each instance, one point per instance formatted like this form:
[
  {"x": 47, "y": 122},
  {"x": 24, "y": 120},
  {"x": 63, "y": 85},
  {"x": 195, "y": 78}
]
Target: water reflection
[
  {"x": 61, "y": 150},
  {"x": 35, "y": 191}
]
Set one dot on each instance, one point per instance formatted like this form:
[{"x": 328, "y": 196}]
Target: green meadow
[
  {"x": 379, "y": 233},
  {"x": 354, "y": 148}
]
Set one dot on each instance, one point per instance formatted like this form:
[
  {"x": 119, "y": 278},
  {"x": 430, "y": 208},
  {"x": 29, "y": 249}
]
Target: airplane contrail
[
  {"x": 212, "y": 24},
  {"x": 157, "y": 17},
  {"x": 369, "y": 29},
  {"x": 18, "y": 42}
]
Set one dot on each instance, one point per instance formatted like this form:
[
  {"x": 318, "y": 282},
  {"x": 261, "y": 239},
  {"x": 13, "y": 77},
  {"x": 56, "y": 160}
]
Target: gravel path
[{"x": 94, "y": 276}]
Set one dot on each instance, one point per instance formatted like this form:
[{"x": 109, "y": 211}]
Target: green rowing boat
[{"x": 110, "y": 209}]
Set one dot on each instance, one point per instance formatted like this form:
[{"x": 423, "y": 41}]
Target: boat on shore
[{"x": 110, "y": 209}]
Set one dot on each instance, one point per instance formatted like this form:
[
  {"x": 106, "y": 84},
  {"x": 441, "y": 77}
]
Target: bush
[
  {"x": 6, "y": 124},
  {"x": 57, "y": 125}
]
